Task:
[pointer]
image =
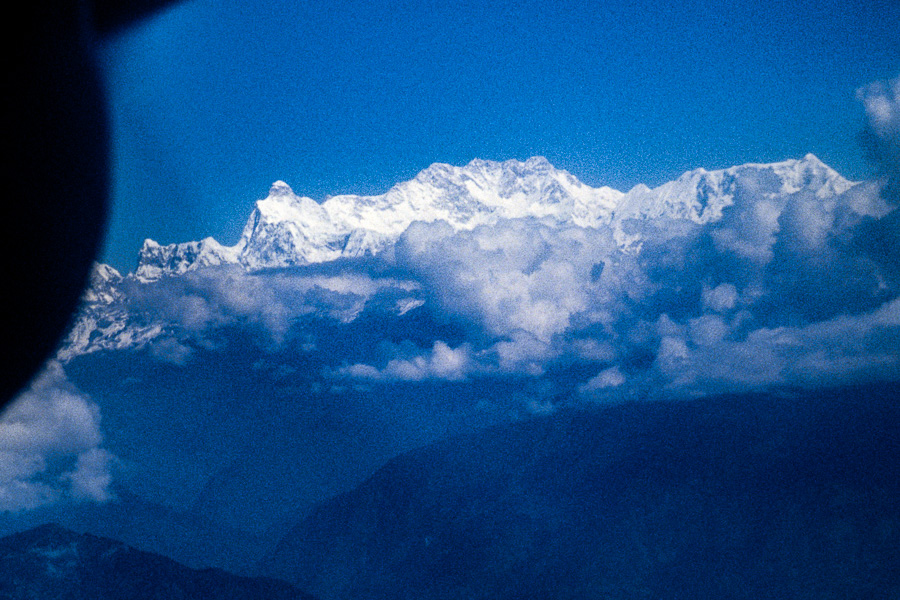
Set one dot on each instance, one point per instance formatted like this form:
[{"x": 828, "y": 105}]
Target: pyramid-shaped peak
[
  {"x": 812, "y": 158},
  {"x": 280, "y": 188},
  {"x": 810, "y": 163}
]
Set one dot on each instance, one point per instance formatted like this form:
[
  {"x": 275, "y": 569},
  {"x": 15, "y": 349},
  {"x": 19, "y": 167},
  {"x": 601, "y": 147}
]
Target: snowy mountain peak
[
  {"x": 282, "y": 204},
  {"x": 535, "y": 164},
  {"x": 812, "y": 158},
  {"x": 104, "y": 273},
  {"x": 538, "y": 161},
  {"x": 701, "y": 196},
  {"x": 157, "y": 260},
  {"x": 810, "y": 173},
  {"x": 444, "y": 174},
  {"x": 286, "y": 229},
  {"x": 280, "y": 188},
  {"x": 103, "y": 286}
]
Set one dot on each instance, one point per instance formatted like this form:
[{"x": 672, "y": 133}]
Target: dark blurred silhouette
[{"x": 58, "y": 137}]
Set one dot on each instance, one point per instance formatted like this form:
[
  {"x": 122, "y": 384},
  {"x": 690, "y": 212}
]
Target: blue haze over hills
[
  {"x": 489, "y": 376},
  {"x": 206, "y": 403}
]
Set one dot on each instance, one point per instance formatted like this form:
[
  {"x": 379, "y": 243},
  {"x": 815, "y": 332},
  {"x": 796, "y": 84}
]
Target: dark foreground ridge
[
  {"x": 52, "y": 562},
  {"x": 739, "y": 497}
]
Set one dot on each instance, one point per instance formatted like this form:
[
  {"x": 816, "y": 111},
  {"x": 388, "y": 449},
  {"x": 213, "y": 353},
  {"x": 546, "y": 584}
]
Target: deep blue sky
[{"x": 213, "y": 101}]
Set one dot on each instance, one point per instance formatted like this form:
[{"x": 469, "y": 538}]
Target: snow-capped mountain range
[{"x": 287, "y": 230}]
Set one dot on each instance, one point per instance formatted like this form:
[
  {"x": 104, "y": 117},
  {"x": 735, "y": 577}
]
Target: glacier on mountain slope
[{"x": 287, "y": 230}]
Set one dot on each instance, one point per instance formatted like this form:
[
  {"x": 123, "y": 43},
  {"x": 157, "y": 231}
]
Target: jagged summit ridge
[
  {"x": 286, "y": 229},
  {"x": 174, "y": 259},
  {"x": 701, "y": 196}
]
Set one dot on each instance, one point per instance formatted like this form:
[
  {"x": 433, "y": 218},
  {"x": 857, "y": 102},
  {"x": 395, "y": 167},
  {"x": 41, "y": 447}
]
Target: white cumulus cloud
[
  {"x": 881, "y": 100},
  {"x": 441, "y": 362},
  {"x": 754, "y": 276},
  {"x": 51, "y": 446},
  {"x": 882, "y": 103}
]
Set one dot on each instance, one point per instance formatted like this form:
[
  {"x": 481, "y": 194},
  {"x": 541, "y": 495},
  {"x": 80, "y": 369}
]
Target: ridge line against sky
[{"x": 211, "y": 104}]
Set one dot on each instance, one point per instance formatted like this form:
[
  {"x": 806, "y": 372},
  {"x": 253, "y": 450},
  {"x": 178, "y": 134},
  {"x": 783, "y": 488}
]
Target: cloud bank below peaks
[{"x": 754, "y": 276}]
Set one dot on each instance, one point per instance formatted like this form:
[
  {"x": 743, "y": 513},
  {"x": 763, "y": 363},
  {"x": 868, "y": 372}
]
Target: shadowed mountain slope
[
  {"x": 52, "y": 562},
  {"x": 735, "y": 497}
]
